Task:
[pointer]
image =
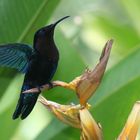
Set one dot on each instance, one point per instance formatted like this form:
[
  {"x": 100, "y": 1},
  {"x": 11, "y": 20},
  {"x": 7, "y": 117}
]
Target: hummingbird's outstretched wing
[{"x": 15, "y": 56}]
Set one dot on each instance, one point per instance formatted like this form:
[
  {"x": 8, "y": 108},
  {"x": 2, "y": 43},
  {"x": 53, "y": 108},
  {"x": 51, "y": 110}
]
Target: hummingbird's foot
[
  {"x": 50, "y": 85},
  {"x": 39, "y": 88}
]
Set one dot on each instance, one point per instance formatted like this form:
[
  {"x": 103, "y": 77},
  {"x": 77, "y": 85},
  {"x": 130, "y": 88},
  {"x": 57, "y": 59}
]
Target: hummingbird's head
[{"x": 45, "y": 34}]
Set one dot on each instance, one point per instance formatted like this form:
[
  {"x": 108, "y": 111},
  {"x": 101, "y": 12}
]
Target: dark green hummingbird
[{"x": 39, "y": 65}]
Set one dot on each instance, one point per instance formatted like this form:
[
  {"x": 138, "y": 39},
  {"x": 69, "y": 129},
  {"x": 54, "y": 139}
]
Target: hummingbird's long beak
[{"x": 59, "y": 21}]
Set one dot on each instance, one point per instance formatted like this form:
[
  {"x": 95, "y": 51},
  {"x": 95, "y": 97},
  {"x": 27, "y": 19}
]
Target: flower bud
[{"x": 90, "y": 80}]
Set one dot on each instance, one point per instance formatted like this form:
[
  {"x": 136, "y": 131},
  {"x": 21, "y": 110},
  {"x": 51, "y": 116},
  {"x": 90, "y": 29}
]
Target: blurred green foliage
[{"x": 80, "y": 40}]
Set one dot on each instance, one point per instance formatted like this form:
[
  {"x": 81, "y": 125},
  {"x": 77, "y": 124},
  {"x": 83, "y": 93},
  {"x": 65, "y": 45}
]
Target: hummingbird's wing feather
[{"x": 15, "y": 56}]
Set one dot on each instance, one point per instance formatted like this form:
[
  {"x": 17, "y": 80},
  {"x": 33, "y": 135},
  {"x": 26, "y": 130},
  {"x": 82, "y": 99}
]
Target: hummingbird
[{"x": 37, "y": 63}]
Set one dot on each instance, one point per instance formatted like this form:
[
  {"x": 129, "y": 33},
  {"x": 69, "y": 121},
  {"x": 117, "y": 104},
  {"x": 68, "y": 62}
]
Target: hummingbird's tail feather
[{"x": 25, "y": 105}]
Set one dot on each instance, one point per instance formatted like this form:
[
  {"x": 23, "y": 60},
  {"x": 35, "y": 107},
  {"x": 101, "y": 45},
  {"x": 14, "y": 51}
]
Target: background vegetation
[{"x": 80, "y": 40}]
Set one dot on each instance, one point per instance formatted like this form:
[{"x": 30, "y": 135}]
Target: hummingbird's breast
[{"x": 41, "y": 68}]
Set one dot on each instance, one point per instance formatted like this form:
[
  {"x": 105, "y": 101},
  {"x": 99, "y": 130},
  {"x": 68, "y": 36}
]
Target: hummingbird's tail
[{"x": 25, "y": 105}]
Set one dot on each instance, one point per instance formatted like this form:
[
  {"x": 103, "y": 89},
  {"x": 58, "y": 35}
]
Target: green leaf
[
  {"x": 112, "y": 113},
  {"x": 19, "y": 17},
  {"x": 112, "y": 28},
  {"x": 62, "y": 132},
  {"x": 133, "y": 9},
  {"x": 7, "y": 107},
  {"x": 8, "y": 126}
]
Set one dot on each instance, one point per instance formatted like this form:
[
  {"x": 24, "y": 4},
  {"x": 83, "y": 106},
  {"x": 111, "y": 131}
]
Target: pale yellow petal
[
  {"x": 68, "y": 114},
  {"x": 90, "y": 129},
  {"x": 132, "y": 125}
]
